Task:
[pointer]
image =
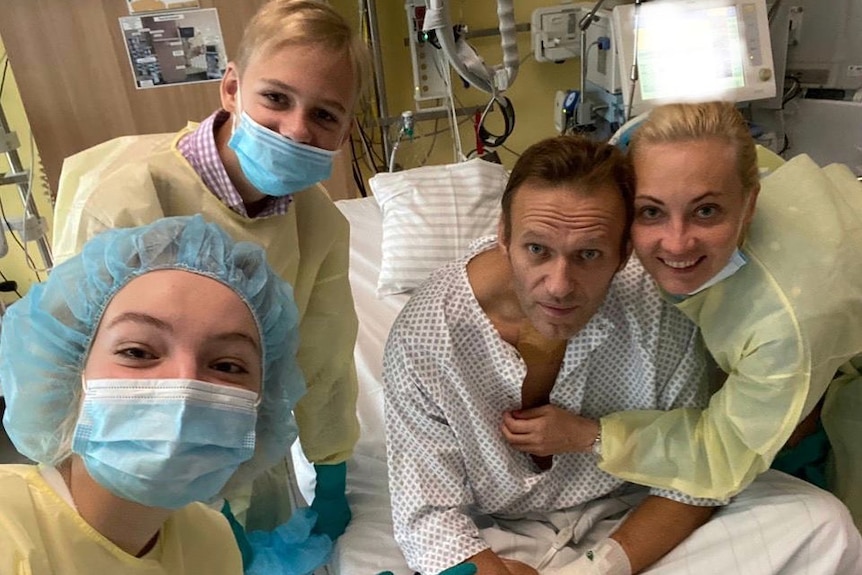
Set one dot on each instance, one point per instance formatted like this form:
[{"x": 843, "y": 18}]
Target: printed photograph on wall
[
  {"x": 174, "y": 47},
  {"x": 139, "y": 6}
]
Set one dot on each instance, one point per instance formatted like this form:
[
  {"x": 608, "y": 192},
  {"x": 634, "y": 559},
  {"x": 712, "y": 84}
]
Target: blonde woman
[{"x": 770, "y": 272}]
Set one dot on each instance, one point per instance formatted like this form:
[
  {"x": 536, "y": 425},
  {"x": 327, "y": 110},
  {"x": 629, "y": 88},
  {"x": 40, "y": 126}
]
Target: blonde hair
[
  {"x": 674, "y": 123},
  {"x": 281, "y": 23}
]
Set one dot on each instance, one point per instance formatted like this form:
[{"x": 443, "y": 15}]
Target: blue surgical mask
[
  {"x": 275, "y": 164},
  {"x": 164, "y": 443}
]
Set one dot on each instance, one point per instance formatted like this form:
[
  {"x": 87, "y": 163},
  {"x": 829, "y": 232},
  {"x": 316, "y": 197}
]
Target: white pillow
[{"x": 430, "y": 216}]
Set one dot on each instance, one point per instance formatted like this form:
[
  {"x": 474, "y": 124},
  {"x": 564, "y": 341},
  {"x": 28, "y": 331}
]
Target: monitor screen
[{"x": 693, "y": 50}]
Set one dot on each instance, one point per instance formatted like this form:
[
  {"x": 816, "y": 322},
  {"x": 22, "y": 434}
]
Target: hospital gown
[
  {"x": 135, "y": 180},
  {"x": 449, "y": 377},
  {"x": 42, "y": 534},
  {"x": 780, "y": 327}
]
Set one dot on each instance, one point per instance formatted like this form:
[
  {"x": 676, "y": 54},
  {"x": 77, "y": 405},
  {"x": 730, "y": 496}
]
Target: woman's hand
[{"x": 549, "y": 430}]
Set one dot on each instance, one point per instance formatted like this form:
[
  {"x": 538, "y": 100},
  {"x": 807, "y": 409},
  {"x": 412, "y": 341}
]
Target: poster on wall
[
  {"x": 170, "y": 48},
  {"x": 139, "y": 6}
]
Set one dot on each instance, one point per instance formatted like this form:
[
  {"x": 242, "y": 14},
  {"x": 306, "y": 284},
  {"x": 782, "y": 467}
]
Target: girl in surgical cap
[
  {"x": 255, "y": 167},
  {"x": 146, "y": 376},
  {"x": 776, "y": 291}
]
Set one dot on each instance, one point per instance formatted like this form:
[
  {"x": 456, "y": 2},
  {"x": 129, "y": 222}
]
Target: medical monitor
[{"x": 693, "y": 50}]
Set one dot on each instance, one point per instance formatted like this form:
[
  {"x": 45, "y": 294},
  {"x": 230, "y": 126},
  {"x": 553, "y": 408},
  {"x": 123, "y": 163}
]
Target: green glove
[
  {"x": 460, "y": 569},
  {"x": 330, "y": 502},
  {"x": 238, "y": 534}
]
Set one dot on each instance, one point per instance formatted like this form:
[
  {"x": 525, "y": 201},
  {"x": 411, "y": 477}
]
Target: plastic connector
[
  {"x": 9, "y": 142},
  {"x": 603, "y": 43},
  {"x": 407, "y": 123}
]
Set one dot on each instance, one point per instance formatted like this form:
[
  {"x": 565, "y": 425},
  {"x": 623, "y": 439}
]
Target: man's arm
[
  {"x": 656, "y": 527},
  {"x": 652, "y": 530},
  {"x": 489, "y": 563}
]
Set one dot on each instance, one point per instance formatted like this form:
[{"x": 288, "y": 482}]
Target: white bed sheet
[{"x": 367, "y": 547}]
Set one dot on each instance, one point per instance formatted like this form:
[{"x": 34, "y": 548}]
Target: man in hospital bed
[{"x": 487, "y": 361}]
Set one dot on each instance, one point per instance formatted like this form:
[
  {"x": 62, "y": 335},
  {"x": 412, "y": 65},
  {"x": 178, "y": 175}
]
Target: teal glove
[
  {"x": 330, "y": 502},
  {"x": 238, "y": 534},
  {"x": 460, "y": 569}
]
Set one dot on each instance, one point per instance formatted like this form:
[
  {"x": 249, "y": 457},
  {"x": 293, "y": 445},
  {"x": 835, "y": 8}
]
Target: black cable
[
  {"x": 511, "y": 151},
  {"x": 786, "y": 145},
  {"x": 794, "y": 90},
  {"x": 433, "y": 142},
  {"x": 357, "y": 171},
  {"x": 508, "y": 112},
  {"x": 370, "y": 145},
  {"x": 3, "y": 81},
  {"x": 5, "y": 279}
]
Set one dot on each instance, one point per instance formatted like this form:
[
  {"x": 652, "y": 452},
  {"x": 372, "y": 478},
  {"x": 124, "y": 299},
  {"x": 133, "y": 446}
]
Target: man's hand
[
  {"x": 489, "y": 563},
  {"x": 518, "y": 568},
  {"x": 548, "y": 430}
]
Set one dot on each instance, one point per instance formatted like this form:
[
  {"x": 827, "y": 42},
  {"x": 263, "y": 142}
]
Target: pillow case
[{"x": 430, "y": 216}]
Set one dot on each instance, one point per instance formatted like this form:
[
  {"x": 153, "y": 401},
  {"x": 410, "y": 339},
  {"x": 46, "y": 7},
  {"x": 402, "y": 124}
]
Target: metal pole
[
  {"x": 24, "y": 191},
  {"x": 379, "y": 82},
  {"x": 583, "y": 25}
]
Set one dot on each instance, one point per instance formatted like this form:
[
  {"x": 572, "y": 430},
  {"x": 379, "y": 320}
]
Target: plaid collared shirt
[{"x": 199, "y": 148}]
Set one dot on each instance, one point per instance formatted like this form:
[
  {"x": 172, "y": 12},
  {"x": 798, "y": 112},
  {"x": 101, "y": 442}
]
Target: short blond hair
[
  {"x": 674, "y": 123},
  {"x": 281, "y": 23}
]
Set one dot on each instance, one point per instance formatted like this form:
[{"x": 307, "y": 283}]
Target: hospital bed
[
  {"x": 368, "y": 546},
  {"x": 461, "y": 201}
]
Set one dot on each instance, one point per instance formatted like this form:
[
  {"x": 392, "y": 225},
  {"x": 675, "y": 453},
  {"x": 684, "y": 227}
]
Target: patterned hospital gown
[{"x": 449, "y": 377}]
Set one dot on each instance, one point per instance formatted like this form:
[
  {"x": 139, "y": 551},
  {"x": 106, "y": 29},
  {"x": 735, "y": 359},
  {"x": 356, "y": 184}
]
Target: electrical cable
[
  {"x": 5, "y": 279},
  {"x": 372, "y": 157},
  {"x": 5, "y": 69},
  {"x": 433, "y": 142},
  {"x": 786, "y": 145},
  {"x": 508, "y": 112},
  {"x": 358, "y": 179},
  {"x": 511, "y": 151},
  {"x": 793, "y": 91}
]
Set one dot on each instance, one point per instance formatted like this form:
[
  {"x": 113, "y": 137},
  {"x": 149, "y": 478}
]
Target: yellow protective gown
[
  {"x": 135, "y": 180},
  {"x": 40, "y": 534},
  {"x": 780, "y": 327}
]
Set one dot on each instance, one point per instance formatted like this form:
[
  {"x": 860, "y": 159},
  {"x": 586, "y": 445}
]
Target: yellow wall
[
  {"x": 14, "y": 265},
  {"x": 532, "y": 93}
]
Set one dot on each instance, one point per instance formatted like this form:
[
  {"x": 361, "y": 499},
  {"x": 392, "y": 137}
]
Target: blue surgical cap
[{"x": 46, "y": 336}]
